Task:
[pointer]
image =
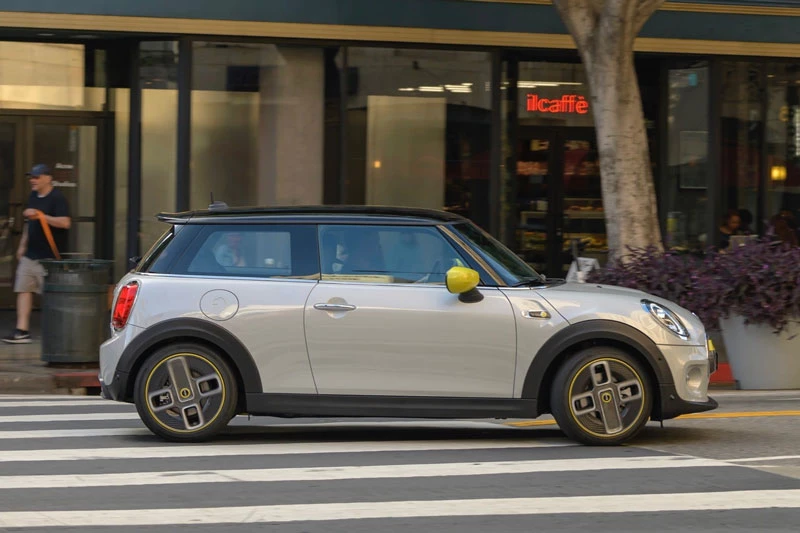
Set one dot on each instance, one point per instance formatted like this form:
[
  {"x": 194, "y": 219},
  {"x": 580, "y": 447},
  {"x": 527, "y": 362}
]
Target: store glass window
[
  {"x": 685, "y": 199},
  {"x": 50, "y": 76},
  {"x": 158, "y": 76},
  {"x": 742, "y": 128},
  {"x": 419, "y": 129},
  {"x": 783, "y": 145},
  {"x": 257, "y": 124}
]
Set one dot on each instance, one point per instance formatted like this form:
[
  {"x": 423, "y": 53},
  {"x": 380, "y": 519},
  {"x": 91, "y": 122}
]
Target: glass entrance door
[
  {"x": 559, "y": 198},
  {"x": 70, "y": 146},
  {"x": 10, "y": 206}
]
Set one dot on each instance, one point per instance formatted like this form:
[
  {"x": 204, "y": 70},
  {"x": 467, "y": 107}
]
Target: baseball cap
[{"x": 38, "y": 170}]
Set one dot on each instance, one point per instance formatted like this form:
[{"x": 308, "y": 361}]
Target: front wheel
[
  {"x": 601, "y": 396},
  {"x": 185, "y": 392}
]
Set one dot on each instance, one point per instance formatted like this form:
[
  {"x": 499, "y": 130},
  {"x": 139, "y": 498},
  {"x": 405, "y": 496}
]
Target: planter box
[{"x": 760, "y": 359}]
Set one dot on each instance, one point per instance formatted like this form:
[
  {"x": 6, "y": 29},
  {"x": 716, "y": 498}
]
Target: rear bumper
[
  {"x": 114, "y": 390},
  {"x": 673, "y": 405}
]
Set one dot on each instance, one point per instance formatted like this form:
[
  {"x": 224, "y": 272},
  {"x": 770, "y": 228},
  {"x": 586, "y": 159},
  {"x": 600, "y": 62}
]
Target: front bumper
[
  {"x": 673, "y": 405},
  {"x": 691, "y": 368}
]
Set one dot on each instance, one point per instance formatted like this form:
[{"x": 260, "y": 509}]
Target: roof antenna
[{"x": 216, "y": 206}]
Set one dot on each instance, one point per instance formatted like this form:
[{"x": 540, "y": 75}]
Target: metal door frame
[{"x": 26, "y": 122}]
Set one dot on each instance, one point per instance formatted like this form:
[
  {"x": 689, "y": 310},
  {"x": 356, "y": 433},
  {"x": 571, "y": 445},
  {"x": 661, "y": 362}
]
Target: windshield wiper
[
  {"x": 525, "y": 282},
  {"x": 540, "y": 282}
]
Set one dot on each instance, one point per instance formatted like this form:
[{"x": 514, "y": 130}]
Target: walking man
[{"x": 43, "y": 237}]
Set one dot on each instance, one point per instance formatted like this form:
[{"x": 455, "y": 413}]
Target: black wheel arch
[
  {"x": 193, "y": 330},
  {"x": 573, "y": 338}
]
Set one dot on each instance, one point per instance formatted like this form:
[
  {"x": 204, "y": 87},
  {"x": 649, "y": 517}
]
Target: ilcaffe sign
[{"x": 568, "y": 103}]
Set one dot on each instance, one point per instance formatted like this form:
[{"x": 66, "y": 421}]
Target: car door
[{"x": 382, "y": 322}]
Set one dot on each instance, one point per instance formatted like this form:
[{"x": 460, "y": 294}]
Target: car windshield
[{"x": 513, "y": 270}]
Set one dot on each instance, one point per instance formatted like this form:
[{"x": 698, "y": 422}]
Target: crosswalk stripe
[
  {"x": 60, "y": 403},
  {"x": 769, "y": 458},
  {"x": 353, "y": 472},
  {"x": 124, "y": 432},
  {"x": 216, "y": 450},
  {"x": 67, "y": 417},
  {"x": 628, "y": 503},
  {"x": 71, "y": 433},
  {"x": 49, "y": 397}
]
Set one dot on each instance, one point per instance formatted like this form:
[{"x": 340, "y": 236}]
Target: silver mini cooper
[{"x": 385, "y": 312}]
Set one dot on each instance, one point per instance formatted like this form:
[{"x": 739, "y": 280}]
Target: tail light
[{"x": 122, "y": 309}]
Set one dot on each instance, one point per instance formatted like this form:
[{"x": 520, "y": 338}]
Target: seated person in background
[
  {"x": 783, "y": 228},
  {"x": 746, "y": 218},
  {"x": 228, "y": 251},
  {"x": 730, "y": 226}
]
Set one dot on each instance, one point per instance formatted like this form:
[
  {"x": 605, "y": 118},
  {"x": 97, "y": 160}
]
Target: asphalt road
[{"x": 73, "y": 464}]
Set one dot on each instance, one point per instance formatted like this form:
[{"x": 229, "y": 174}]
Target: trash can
[{"x": 75, "y": 309}]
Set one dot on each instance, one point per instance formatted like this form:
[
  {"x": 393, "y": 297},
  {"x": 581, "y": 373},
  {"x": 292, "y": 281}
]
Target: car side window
[
  {"x": 261, "y": 251},
  {"x": 386, "y": 254}
]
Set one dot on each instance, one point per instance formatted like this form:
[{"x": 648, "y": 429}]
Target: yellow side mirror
[{"x": 461, "y": 280}]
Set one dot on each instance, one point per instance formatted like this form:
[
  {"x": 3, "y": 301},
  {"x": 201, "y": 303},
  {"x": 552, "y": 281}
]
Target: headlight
[{"x": 666, "y": 318}]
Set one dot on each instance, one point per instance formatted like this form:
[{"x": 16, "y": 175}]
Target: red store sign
[{"x": 568, "y": 103}]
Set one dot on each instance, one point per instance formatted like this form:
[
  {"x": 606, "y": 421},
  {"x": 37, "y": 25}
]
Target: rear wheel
[
  {"x": 185, "y": 392},
  {"x": 601, "y": 396}
]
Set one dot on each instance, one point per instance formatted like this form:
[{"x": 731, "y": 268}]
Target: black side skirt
[{"x": 330, "y": 405}]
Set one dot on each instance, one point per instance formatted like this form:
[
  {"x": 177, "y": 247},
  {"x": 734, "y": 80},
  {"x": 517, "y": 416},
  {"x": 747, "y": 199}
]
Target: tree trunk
[
  {"x": 629, "y": 196},
  {"x": 604, "y": 32}
]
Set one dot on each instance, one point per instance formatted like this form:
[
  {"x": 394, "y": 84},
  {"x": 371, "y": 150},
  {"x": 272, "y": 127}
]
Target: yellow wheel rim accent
[
  {"x": 603, "y": 397},
  {"x": 165, "y": 360}
]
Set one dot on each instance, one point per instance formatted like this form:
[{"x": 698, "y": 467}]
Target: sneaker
[{"x": 18, "y": 337}]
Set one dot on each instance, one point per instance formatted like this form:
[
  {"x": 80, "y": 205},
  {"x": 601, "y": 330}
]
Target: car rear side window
[
  {"x": 256, "y": 251},
  {"x": 167, "y": 249}
]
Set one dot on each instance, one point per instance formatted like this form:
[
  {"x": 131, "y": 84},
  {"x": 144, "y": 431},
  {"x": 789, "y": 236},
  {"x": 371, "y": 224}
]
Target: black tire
[
  {"x": 201, "y": 405},
  {"x": 586, "y": 395}
]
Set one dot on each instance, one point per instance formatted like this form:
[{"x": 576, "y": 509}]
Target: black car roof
[{"x": 311, "y": 213}]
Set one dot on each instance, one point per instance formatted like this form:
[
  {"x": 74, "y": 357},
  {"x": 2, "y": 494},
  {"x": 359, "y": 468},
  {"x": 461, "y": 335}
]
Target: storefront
[{"x": 473, "y": 110}]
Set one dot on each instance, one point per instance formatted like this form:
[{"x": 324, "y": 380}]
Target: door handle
[{"x": 334, "y": 307}]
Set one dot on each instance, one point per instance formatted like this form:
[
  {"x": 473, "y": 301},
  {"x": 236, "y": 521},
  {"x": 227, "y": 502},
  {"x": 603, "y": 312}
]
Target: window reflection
[
  {"x": 158, "y": 78},
  {"x": 783, "y": 147},
  {"x": 419, "y": 129},
  {"x": 47, "y": 76},
  {"x": 686, "y": 187},
  {"x": 257, "y": 124},
  {"x": 742, "y": 128}
]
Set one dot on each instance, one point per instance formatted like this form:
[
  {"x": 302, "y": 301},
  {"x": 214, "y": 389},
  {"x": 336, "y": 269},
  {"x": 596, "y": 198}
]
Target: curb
[
  {"x": 49, "y": 380},
  {"x": 83, "y": 379}
]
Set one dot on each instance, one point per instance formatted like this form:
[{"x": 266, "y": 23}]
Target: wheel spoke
[
  {"x": 162, "y": 399},
  {"x": 583, "y": 404},
  {"x": 610, "y": 409},
  {"x": 629, "y": 390},
  {"x": 208, "y": 385},
  {"x": 601, "y": 373},
  {"x": 181, "y": 379},
  {"x": 192, "y": 416}
]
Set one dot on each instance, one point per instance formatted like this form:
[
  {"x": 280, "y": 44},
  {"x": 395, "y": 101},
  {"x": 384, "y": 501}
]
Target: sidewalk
[{"x": 23, "y": 372}]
